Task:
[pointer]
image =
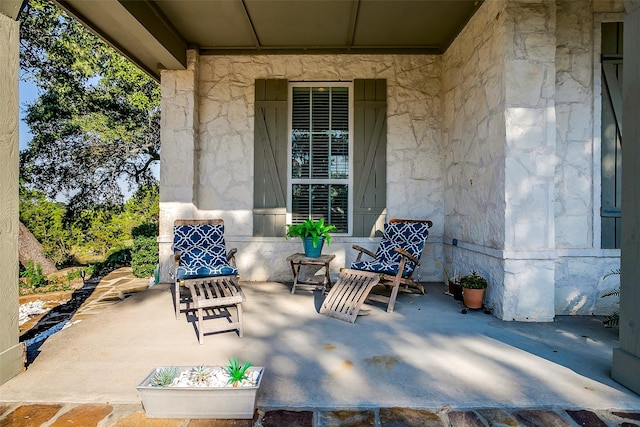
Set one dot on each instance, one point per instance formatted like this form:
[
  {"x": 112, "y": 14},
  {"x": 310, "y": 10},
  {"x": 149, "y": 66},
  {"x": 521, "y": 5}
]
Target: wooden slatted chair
[
  {"x": 397, "y": 257},
  {"x": 347, "y": 295},
  {"x": 205, "y": 269}
]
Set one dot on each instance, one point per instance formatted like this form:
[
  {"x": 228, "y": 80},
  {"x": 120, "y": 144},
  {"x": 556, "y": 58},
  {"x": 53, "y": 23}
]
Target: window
[
  {"x": 354, "y": 181},
  {"x": 319, "y": 174}
]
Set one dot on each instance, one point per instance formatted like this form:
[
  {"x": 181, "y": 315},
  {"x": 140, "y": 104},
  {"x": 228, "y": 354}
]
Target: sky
[{"x": 27, "y": 92}]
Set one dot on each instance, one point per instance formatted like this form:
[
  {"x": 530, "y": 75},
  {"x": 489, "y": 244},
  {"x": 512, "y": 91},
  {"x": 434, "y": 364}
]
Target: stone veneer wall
[
  {"x": 541, "y": 64},
  {"x": 500, "y": 176},
  {"x": 494, "y": 141},
  {"x": 474, "y": 147},
  {"x": 581, "y": 264},
  {"x": 209, "y": 111}
]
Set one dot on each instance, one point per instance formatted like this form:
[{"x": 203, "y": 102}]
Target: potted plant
[
  {"x": 313, "y": 234},
  {"x": 473, "y": 289},
  {"x": 453, "y": 281},
  {"x": 225, "y": 392}
]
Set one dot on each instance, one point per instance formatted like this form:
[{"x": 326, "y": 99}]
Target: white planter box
[{"x": 198, "y": 402}]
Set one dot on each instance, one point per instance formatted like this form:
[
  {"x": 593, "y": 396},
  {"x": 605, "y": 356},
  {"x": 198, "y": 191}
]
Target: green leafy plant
[
  {"x": 200, "y": 374},
  {"x": 164, "y": 377},
  {"x": 474, "y": 281},
  {"x": 144, "y": 256},
  {"x": 311, "y": 228},
  {"x": 612, "y": 318},
  {"x": 33, "y": 275},
  {"x": 236, "y": 371}
]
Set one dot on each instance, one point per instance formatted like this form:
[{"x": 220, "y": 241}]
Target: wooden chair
[
  {"x": 347, "y": 295},
  {"x": 205, "y": 268},
  {"x": 397, "y": 257}
]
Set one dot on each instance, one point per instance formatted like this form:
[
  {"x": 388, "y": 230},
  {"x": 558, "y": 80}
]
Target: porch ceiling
[{"x": 155, "y": 34}]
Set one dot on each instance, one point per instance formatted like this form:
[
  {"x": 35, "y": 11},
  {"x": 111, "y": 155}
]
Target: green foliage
[
  {"x": 200, "y": 374},
  {"x": 116, "y": 259},
  {"x": 32, "y": 275},
  {"x": 46, "y": 221},
  {"x": 96, "y": 122},
  {"x": 473, "y": 281},
  {"x": 313, "y": 229},
  {"x": 144, "y": 256},
  {"x": 612, "y": 319},
  {"x": 164, "y": 377},
  {"x": 236, "y": 371}
]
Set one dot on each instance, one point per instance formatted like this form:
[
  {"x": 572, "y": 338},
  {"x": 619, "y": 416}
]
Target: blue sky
[{"x": 27, "y": 92}]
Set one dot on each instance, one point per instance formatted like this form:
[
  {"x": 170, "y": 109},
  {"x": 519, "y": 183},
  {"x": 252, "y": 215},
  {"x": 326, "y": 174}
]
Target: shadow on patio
[{"x": 425, "y": 354}]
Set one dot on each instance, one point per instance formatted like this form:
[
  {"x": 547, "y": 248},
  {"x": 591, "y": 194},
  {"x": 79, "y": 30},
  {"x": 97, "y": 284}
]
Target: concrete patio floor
[{"x": 424, "y": 355}]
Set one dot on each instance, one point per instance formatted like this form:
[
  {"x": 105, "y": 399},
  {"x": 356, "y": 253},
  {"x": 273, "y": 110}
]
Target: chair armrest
[
  {"x": 231, "y": 256},
  {"x": 363, "y": 250},
  {"x": 407, "y": 255},
  {"x": 176, "y": 256}
]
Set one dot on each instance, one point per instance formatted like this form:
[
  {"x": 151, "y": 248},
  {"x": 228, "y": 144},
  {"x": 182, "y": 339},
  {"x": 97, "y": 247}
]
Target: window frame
[{"x": 306, "y": 181}]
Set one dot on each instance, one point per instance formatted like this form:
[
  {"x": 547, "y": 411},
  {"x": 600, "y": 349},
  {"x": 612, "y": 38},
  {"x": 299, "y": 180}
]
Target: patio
[{"x": 425, "y": 354}]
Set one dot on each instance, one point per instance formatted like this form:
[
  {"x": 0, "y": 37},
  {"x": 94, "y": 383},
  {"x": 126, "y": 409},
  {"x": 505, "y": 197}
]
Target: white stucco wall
[{"x": 222, "y": 146}]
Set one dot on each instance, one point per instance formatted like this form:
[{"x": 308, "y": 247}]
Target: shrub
[
  {"x": 116, "y": 259},
  {"x": 33, "y": 275},
  {"x": 144, "y": 256}
]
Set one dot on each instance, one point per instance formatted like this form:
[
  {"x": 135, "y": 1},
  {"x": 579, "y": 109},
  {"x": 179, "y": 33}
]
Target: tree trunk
[{"x": 30, "y": 249}]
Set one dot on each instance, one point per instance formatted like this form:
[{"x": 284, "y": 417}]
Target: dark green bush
[
  {"x": 144, "y": 256},
  {"x": 116, "y": 259}
]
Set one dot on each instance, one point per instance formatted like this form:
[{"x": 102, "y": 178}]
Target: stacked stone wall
[{"x": 225, "y": 138}]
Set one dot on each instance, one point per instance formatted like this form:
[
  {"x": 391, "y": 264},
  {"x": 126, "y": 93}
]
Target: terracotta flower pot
[{"x": 472, "y": 298}]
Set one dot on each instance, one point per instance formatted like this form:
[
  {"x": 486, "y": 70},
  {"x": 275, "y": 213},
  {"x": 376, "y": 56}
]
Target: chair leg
[
  {"x": 200, "y": 321},
  {"x": 394, "y": 294},
  {"x": 239, "y": 307},
  {"x": 176, "y": 298}
]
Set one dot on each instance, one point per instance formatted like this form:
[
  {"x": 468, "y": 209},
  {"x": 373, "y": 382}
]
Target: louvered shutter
[
  {"x": 369, "y": 156},
  {"x": 270, "y": 158},
  {"x": 611, "y": 139}
]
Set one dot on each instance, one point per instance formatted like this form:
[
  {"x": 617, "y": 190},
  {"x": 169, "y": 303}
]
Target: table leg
[{"x": 296, "y": 273}]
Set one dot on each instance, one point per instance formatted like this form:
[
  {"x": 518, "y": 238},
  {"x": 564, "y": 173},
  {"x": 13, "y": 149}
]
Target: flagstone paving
[{"x": 58, "y": 415}]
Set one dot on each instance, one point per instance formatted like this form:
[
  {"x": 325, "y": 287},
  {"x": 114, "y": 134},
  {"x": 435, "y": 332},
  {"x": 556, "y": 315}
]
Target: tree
[
  {"x": 95, "y": 124},
  {"x": 30, "y": 249},
  {"x": 46, "y": 220}
]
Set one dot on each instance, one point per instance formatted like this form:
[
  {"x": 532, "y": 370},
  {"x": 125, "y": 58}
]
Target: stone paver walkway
[{"x": 58, "y": 415}]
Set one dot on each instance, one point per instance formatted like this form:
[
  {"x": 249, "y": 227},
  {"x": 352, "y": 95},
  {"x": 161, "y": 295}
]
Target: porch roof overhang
[{"x": 155, "y": 34}]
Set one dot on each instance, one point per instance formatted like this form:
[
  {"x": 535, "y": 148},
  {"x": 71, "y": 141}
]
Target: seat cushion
[{"x": 385, "y": 268}]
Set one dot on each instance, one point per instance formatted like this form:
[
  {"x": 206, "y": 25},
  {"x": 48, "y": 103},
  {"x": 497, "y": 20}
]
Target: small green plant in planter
[
  {"x": 164, "y": 377},
  {"x": 237, "y": 372},
  {"x": 473, "y": 286},
  {"x": 473, "y": 281}
]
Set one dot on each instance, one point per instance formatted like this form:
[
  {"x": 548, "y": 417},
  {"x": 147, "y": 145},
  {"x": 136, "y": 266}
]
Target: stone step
[{"x": 54, "y": 415}]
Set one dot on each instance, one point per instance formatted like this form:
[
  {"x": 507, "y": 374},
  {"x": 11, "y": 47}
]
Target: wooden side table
[{"x": 299, "y": 260}]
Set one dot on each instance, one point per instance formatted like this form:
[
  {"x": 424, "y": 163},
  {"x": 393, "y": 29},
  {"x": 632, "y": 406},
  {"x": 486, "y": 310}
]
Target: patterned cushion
[
  {"x": 202, "y": 251},
  {"x": 410, "y": 236},
  {"x": 202, "y": 235}
]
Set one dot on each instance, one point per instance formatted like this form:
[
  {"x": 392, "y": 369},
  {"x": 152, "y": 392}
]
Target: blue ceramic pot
[{"x": 309, "y": 250}]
